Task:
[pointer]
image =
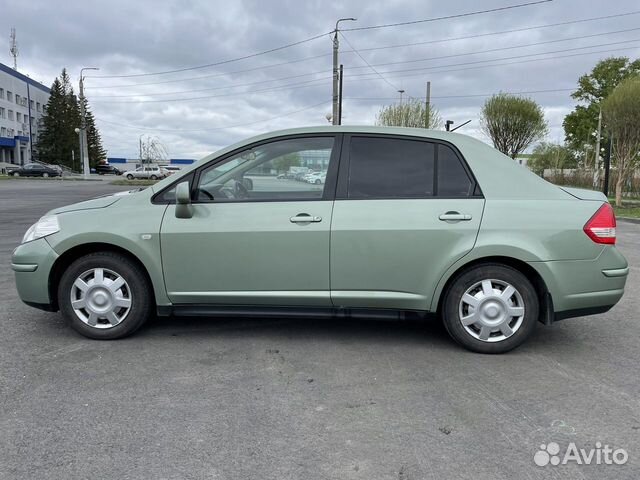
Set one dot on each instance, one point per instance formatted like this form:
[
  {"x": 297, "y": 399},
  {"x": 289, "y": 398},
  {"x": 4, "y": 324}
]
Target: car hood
[
  {"x": 584, "y": 194},
  {"x": 100, "y": 202}
]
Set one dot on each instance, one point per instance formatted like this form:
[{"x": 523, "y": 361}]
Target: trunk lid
[{"x": 584, "y": 194}]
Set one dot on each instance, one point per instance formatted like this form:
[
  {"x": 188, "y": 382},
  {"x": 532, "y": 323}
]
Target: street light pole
[
  {"x": 336, "y": 72},
  {"x": 83, "y": 126}
]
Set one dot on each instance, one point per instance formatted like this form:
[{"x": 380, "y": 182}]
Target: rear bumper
[
  {"x": 585, "y": 287},
  {"x": 32, "y": 263}
]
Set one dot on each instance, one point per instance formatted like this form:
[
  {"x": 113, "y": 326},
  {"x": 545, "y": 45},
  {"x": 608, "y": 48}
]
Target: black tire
[
  {"x": 464, "y": 281},
  {"x": 45, "y": 174},
  {"x": 129, "y": 177},
  {"x": 141, "y": 293},
  {"x": 153, "y": 177}
]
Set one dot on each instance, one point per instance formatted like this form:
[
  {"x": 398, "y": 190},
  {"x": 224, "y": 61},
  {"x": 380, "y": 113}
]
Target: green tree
[
  {"x": 512, "y": 122},
  {"x": 580, "y": 126},
  {"x": 284, "y": 163},
  {"x": 551, "y": 156},
  {"x": 621, "y": 110},
  {"x": 412, "y": 113},
  {"x": 57, "y": 138}
]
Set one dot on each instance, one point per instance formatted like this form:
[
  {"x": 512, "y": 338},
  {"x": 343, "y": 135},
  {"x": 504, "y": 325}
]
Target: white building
[{"x": 22, "y": 104}]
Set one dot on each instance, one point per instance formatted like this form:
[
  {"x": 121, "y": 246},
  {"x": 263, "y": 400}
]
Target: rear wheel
[
  {"x": 490, "y": 308},
  {"x": 153, "y": 177},
  {"x": 105, "y": 296}
]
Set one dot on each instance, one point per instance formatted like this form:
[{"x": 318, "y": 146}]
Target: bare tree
[
  {"x": 621, "y": 110},
  {"x": 513, "y": 123},
  {"x": 412, "y": 113},
  {"x": 152, "y": 150}
]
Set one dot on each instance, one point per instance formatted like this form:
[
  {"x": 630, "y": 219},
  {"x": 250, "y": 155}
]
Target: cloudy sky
[{"x": 204, "y": 107}]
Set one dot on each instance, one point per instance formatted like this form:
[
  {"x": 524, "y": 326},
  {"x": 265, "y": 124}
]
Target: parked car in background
[
  {"x": 150, "y": 172},
  {"x": 410, "y": 222},
  {"x": 287, "y": 176},
  {"x": 317, "y": 178},
  {"x": 37, "y": 170},
  {"x": 8, "y": 168},
  {"x": 106, "y": 169},
  {"x": 170, "y": 169}
]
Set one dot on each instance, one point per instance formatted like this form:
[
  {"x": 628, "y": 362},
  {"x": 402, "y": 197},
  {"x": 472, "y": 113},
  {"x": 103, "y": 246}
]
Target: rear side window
[
  {"x": 390, "y": 168},
  {"x": 453, "y": 180}
]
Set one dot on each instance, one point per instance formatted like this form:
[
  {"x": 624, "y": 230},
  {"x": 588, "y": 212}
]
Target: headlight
[{"x": 43, "y": 227}]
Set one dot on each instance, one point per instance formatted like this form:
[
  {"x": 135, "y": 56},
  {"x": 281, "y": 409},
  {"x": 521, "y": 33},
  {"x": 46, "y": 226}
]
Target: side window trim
[{"x": 342, "y": 187}]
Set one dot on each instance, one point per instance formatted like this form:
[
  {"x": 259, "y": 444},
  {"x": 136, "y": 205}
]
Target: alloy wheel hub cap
[
  {"x": 491, "y": 310},
  {"x": 101, "y": 298}
]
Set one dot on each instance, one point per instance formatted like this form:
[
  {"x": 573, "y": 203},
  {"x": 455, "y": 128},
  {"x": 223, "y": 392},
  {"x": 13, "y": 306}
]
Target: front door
[
  {"x": 406, "y": 209},
  {"x": 256, "y": 237}
]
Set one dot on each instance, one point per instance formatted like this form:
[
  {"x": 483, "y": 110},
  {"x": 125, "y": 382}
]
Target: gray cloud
[{"x": 125, "y": 37}]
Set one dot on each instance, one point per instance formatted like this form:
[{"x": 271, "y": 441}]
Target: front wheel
[
  {"x": 129, "y": 177},
  {"x": 45, "y": 175},
  {"x": 105, "y": 296},
  {"x": 490, "y": 308},
  {"x": 153, "y": 177}
]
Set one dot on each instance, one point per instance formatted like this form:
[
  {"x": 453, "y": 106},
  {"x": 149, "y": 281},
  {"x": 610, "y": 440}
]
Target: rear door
[{"x": 405, "y": 210}]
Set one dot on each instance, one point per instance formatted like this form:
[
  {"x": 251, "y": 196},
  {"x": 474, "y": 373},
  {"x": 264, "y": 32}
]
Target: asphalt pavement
[{"x": 304, "y": 399}]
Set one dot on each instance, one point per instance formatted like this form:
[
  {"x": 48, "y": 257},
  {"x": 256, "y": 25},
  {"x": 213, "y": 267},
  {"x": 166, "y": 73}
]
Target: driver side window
[{"x": 293, "y": 169}]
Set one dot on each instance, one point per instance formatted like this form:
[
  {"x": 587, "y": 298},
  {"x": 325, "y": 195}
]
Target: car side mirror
[{"x": 184, "y": 209}]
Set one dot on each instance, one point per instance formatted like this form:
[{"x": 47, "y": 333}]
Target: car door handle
[
  {"x": 455, "y": 217},
  {"x": 305, "y": 218}
]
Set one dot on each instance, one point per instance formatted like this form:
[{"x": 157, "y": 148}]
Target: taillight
[{"x": 601, "y": 228}]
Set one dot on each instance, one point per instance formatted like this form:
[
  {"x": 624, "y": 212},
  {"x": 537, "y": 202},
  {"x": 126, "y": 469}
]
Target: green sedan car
[{"x": 408, "y": 222}]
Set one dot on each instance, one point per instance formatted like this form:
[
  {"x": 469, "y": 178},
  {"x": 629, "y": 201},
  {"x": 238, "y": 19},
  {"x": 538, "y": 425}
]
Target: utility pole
[
  {"x": 596, "y": 161},
  {"x": 401, "y": 91},
  {"x": 336, "y": 73},
  {"x": 140, "y": 146},
  {"x": 427, "y": 120},
  {"x": 340, "y": 99},
  {"x": 607, "y": 166},
  {"x": 84, "y": 148}
]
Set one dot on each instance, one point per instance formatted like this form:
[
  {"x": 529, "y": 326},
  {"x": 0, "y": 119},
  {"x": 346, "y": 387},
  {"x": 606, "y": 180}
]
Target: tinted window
[
  {"x": 390, "y": 168},
  {"x": 279, "y": 170},
  {"x": 453, "y": 180}
]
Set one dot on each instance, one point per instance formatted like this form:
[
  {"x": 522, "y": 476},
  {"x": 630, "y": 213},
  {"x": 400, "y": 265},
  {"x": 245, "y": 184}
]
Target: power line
[
  {"x": 173, "y": 130},
  {"x": 222, "y": 62},
  {"x": 447, "y": 17},
  {"x": 367, "y": 63},
  {"x": 210, "y": 88},
  {"x": 553, "y": 90},
  {"x": 502, "y": 32},
  {"x": 213, "y": 75},
  {"x": 318, "y": 81},
  {"x": 509, "y": 58},
  {"x": 299, "y": 60},
  {"x": 511, "y": 47},
  {"x": 291, "y": 86},
  {"x": 315, "y": 37}
]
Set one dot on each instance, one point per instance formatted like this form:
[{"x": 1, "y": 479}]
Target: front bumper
[
  {"x": 32, "y": 263},
  {"x": 583, "y": 287}
]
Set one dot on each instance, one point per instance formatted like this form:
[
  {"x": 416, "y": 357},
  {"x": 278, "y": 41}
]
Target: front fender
[{"x": 138, "y": 232}]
